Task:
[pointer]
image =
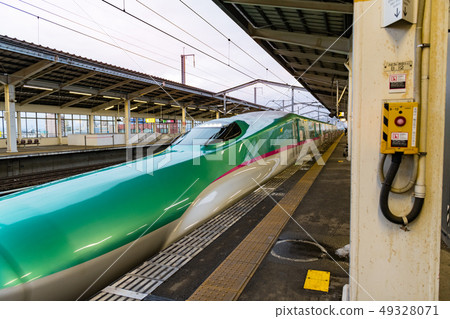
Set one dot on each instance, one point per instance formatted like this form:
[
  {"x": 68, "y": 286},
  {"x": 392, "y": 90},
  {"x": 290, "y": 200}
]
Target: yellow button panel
[{"x": 400, "y": 128}]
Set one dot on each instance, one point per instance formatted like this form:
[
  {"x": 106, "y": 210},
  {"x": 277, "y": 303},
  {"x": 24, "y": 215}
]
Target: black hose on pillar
[{"x": 384, "y": 195}]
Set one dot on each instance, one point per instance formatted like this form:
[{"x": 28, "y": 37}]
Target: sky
[{"x": 224, "y": 55}]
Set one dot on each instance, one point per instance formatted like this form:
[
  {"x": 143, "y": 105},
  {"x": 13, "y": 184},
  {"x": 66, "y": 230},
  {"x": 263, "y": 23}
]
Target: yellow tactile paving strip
[{"x": 229, "y": 279}]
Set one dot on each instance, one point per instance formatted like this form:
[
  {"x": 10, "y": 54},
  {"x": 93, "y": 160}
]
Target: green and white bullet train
[{"x": 67, "y": 239}]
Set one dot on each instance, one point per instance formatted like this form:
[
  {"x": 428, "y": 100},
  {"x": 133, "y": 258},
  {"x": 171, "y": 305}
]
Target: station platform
[
  {"x": 34, "y": 165},
  {"x": 264, "y": 247}
]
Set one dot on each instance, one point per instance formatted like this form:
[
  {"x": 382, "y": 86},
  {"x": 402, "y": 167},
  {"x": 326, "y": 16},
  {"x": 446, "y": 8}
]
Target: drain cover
[{"x": 298, "y": 250}]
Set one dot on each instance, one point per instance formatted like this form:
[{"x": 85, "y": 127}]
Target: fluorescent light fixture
[
  {"x": 37, "y": 87},
  {"x": 110, "y": 107},
  {"x": 203, "y": 109},
  {"x": 158, "y": 103},
  {"x": 133, "y": 108},
  {"x": 140, "y": 101},
  {"x": 211, "y": 110},
  {"x": 192, "y": 108},
  {"x": 79, "y": 93},
  {"x": 111, "y": 97},
  {"x": 173, "y": 105}
]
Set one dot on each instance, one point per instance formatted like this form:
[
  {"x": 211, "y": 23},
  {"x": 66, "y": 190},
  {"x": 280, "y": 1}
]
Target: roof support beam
[
  {"x": 105, "y": 105},
  {"x": 328, "y": 80},
  {"x": 316, "y": 69},
  {"x": 27, "y": 72},
  {"x": 332, "y": 44},
  {"x": 87, "y": 97},
  {"x": 171, "y": 110},
  {"x": 332, "y": 7},
  {"x": 184, "y": 97},
  {"x": 143, "y": 91},
  {"x": 311, "y": 56},
  {"x": 68, "y": 83}
]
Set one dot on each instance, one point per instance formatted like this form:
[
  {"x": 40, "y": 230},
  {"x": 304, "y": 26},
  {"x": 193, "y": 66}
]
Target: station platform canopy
[
  {"x": 310, "y": 39},
  {"x": 47, "y": 77}
]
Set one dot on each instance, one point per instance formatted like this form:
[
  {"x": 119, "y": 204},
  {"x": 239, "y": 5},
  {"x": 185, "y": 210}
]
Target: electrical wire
[
  {"x": 190, "y": 34},
  {"x": 176, "y": 38},
  {"x": 240, "y": 48},
  {"x": 182, "y": 41},
  {"x": 119, "y": 39}
]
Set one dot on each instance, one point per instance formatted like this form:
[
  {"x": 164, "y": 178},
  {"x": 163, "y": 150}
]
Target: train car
[{"x": 67, "y": 239}]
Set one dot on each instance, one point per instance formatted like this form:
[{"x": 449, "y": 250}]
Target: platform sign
[
  {"x": 397, "y": 83},
  {"x": 397, "y": 10},
  {"x": 150, "y": 120}
]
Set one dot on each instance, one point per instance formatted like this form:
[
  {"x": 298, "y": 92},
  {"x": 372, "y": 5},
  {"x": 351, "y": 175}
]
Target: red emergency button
[{"x": 400, "y": 121}]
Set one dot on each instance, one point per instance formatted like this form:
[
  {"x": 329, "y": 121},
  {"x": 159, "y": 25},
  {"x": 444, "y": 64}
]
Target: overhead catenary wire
[
  {"x": 193, "y": 36},
  {"x": 180, "y": 40},
  {"x": 98, "y": 39},
  {"x": 176, "y": 38},
  {"x": 122, "y": 40}
]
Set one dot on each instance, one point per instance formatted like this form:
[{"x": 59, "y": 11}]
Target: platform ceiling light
[
  {"x": 140, "y": 101},
  {"x": 37, "y": 87},
  {"x": 110, "y": 107},
  {"x": 173, "y": 105},
  {"x": 80, "y": 93},
  {"x": 191, "y": 108},
  {"x": 111, "y": 97},
  {"x": 133, "y": 108},
  {"x": 203, "y": 109},
  {"x": 156, "y": 103}
]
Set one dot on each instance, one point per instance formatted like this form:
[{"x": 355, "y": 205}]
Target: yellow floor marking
[
  {"x": 317, "y": 280},
  {"x": 230, "y": 278}
]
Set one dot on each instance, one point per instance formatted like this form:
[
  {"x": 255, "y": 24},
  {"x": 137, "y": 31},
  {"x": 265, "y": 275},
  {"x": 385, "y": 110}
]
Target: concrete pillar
[
  {"x": 91, "y": 124},
  {"x": 183, "y": 120},
  {"x": 127, "y": 122},
  {"x": 19, "y": 126},
  {"x": 350, "y": 110},
  {"x": 116, "y": 125},
  {"x": 59, "y": 123},
  {"x": 387, "y": 262},
  {"x": 10, "y": 116}
]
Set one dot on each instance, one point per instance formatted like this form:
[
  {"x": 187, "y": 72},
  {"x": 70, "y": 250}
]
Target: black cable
[
  {"x": 384, "y": 195},
  {"x": 175, "y": 38}
]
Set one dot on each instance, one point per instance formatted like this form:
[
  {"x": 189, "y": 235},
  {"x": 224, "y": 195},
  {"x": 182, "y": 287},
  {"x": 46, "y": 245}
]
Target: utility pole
[{"x": 183, "y": 66}]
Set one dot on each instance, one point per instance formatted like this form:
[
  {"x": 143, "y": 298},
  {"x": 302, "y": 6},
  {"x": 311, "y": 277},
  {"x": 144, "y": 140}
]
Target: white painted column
[
  {"x": 59, "y": 123},
  {"x": 183, "y": 119},
  {"x": 91, "y": 124},
  {"x": 350, "y": 111},
  {"x": 127, "y": 122},
  {"x": 10, "y": 116},
  {"x": 19, "y": 125},
  {"x": 386, "y": 262}
]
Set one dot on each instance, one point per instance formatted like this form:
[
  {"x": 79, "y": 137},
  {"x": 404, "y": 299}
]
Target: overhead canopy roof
[
  {"x": 44, "y": 76},
  {"x": 297, "y": 33}
]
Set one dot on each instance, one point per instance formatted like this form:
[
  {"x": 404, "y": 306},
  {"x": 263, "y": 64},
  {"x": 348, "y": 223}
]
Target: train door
[{"x": 295, "y": 138}]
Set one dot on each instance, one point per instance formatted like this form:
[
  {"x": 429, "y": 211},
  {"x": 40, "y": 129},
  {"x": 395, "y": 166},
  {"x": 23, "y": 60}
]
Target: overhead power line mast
[{"x": 183, "y": 66}]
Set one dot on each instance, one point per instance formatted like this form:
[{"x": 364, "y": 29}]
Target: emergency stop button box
[{"x": 400, "y": 123}]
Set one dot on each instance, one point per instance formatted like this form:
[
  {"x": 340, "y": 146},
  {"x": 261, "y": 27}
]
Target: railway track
[{"x": 13, "y": 184}]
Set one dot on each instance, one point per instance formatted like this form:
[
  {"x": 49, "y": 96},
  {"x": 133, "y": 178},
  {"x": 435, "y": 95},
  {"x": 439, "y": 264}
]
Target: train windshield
[{"x": 206, "y": 134}]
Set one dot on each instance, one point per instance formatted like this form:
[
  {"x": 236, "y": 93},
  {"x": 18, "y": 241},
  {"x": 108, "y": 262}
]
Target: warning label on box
[
  {"x": 397, "y": 83},
  {"x": 399, "y": 139}
]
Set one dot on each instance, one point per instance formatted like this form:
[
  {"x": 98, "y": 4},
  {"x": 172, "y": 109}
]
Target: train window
[{"x": 209, "y": 134}]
